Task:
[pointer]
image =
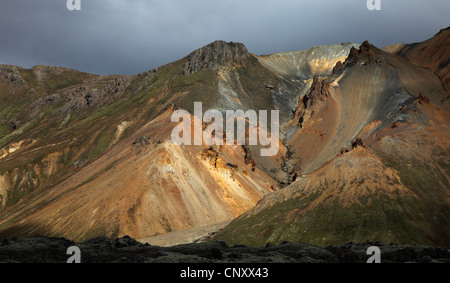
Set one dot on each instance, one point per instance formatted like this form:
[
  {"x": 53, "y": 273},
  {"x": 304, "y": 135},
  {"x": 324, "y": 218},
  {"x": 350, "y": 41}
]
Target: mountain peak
[
  {"x": 365, "y": 53},
  {"x": 215, "y": 54}
]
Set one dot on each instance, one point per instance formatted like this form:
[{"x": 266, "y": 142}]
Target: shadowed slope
[{"x": 432, "y": 54}]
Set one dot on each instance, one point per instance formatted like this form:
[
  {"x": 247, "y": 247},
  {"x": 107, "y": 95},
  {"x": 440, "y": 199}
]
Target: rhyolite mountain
[
  {"x": 371, "y": 142},
  {"x": 364, "y": 148}
]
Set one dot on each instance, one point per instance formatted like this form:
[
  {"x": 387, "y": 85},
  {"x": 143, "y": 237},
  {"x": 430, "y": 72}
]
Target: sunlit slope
[
  {"x": 144, "y": 186},
  {"x": 99, "y": 148}
]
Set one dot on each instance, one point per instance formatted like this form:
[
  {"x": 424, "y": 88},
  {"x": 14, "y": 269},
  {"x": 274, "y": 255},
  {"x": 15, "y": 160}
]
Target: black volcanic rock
[
  {"x": 215, "y": 54},
  {"x": 128, "y": 250}
]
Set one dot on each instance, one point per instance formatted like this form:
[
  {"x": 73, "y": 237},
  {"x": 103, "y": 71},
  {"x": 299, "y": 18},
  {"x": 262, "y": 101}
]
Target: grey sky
[{"x": 132, "y": 36}]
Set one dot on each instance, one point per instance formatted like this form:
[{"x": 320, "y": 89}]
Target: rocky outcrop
[
  {"x": 422, "y": 99},
  {"x": 319, "y": 92},
  {"x": 339, "y": 65},
  {"x": 365, "y": 53},
  {"x": 80, "y": 98},
  {"x": 358, "y": 142},
  {"x": 11, "y": 74},
  {"x": 214, "y": 157},
  {"x": 142, "y": 141},
  {"x": 216, "y": 54}
]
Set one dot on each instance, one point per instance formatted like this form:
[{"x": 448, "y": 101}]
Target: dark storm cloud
[{"x": 131, "y": 36}]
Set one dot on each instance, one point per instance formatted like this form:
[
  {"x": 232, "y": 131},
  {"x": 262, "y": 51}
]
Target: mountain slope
[
  {"x": 100, "y": 150},
  {"x": 363, "y": 149},
  {"x": 144, "y": 186},
  {"x": 371, "y": 160},
  {"x": 432, "y": 54}
]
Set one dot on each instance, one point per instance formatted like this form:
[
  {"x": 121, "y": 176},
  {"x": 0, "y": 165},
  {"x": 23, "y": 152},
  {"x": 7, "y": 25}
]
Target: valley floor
[{"x": 195, "y": 235}]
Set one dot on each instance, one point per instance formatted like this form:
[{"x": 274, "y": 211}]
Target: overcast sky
[{"x": 132, "y": 36}]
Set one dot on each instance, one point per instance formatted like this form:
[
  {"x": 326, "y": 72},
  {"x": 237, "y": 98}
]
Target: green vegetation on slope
[
  {"x": 433, "y": 190},
  {"x": 86, "y": 135},
  {"x": 102, "y": 143},
  {"x": 201, "y": 87},
  {"x": 385, "y": 219},
  {"x": 418, "y": 218},
  {"x": 254, "y": 78},
  {"x": 55, "y": 81},
  {"x": 3, "y": 131}
]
